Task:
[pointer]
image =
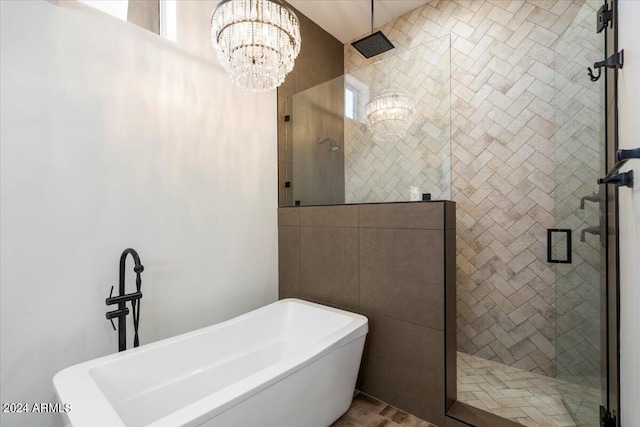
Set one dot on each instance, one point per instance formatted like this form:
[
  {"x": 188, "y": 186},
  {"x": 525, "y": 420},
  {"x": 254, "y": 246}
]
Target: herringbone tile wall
[
  {"x": 503, "y": 166},
  {"x": 385, "y": 171}
]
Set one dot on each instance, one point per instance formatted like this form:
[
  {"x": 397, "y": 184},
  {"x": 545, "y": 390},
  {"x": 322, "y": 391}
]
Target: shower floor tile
[
  {"x": 522, "y": 396},
  {"x": 365, "y": 411}
]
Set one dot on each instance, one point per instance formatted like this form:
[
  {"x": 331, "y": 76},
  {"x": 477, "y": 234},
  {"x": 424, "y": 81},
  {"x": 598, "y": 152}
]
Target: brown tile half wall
[{"x": 395, "y": 264}]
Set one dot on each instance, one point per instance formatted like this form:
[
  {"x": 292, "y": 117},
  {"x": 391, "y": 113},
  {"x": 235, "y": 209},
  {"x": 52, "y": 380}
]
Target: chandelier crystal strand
[
  {"x": 389, "y": 115},
  {"x": 257, "y": 41}
]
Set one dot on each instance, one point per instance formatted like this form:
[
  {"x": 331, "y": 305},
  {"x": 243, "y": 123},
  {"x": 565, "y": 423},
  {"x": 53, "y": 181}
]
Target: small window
[
  {"x": 117, "y": 8},
  {"x": 356, "y": 96},
  {"x": 166, "y": 10},
  {"x": 169, "y": 19},
  {"x": 349, "y": 103}
]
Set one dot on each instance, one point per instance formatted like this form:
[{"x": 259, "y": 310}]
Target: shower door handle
[{"x": 550, "y": 233}]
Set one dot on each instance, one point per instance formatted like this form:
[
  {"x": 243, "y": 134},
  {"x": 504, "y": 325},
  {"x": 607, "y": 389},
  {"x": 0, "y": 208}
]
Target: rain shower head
[{"x": 374, "y": 44}]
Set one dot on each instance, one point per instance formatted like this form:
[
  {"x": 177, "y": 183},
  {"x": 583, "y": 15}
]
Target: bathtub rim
[{"x": 85, "y": 391}]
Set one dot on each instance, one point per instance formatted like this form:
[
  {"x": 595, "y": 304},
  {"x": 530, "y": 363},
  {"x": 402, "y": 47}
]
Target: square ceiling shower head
[{"x": 373, "y": 45}]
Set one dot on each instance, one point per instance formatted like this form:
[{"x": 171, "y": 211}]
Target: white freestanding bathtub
[{"x": 291, "y": 363}]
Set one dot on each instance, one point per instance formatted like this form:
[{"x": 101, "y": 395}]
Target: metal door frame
[{"x": 611, "y": 379}]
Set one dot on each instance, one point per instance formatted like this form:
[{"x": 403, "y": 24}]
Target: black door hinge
[
  {"x": 606, "y": 418},
  {"x": 605, "y": 15},
  {"x": 287, "y": 118}
]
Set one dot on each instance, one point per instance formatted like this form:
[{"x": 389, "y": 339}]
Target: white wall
[
  {"x": 194, "y": 27},
  {"x": 629, "y": 108},
  {"x": 112, "y": 138}
]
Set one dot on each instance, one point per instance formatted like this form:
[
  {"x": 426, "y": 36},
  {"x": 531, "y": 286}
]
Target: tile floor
[
  {"x": 527, "y": 398},
  {"x": 370, "y": 412}
]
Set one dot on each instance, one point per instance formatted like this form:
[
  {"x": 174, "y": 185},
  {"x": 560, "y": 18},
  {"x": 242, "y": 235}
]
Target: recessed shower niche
[{"x": 333, "y": 155}]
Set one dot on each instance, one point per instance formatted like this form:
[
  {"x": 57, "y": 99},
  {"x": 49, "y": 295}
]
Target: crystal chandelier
[
  {"x": 257, "y": 41},
  {"x": 389, "y": 115}
]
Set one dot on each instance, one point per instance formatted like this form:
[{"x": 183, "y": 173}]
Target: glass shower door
[{"x": 580, "y": 147}]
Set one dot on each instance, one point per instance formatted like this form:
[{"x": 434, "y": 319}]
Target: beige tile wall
[
  {"x": 384, "y": 171},
  {"x": 503, "y": 166}
]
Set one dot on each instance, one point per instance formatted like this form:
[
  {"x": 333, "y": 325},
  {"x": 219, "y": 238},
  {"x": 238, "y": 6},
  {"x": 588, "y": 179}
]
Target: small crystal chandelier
[
  {"x": 257, "y": 41},
  {"x": 389, "y": 115}
]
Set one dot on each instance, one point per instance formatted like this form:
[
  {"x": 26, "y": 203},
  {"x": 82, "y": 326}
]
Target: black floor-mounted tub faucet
[{"x": 122, "y": 311}]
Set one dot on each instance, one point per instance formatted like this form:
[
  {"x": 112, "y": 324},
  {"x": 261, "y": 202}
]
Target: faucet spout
[
  {"x": 591, "y": 230},
  {"x": 592, "y": 198},
  {"x": 138, "y": 268}
]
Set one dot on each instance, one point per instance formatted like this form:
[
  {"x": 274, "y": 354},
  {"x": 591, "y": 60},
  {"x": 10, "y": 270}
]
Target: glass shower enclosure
[
  {"x": 531, "y": 280},
  {"x": 335, "y": 157}
]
